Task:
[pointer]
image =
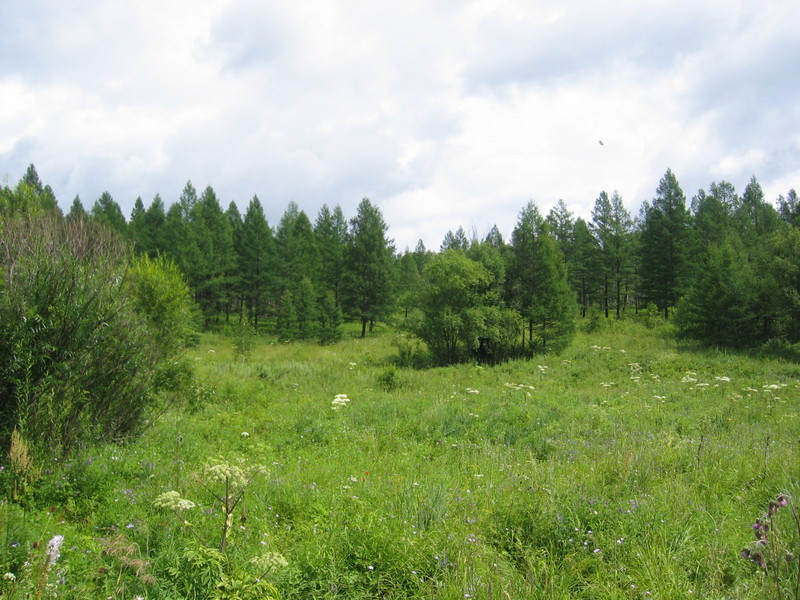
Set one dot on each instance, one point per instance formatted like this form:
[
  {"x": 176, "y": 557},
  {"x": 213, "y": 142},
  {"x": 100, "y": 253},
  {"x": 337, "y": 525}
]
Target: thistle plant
[{"x": 776, "y": 546}]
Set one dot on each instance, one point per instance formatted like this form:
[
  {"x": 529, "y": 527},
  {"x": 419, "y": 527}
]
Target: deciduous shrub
[{"x": 89, "y": 341}]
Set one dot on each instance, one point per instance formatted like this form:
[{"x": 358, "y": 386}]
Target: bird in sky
[{"x": 601, "y": 142}]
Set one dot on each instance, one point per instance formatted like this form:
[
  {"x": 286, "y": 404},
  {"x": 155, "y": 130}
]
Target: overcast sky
[{"x": 444, "y": 113}]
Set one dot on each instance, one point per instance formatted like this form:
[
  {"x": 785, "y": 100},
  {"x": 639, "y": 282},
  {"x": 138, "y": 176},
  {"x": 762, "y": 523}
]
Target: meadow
[{"x": 629, "y": 466}]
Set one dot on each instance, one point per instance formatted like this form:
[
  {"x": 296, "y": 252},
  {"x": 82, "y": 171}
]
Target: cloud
[{"x": 444, "y": 114}]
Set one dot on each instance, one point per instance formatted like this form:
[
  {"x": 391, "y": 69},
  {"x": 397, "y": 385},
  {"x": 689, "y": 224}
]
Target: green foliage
[
  {"x": 83, "y": 352},
  {"x": 244, "y": 339},
  {"x": 459, "y": 322},
  {"x": 286, "y": 318},
  {"x": 664, "y": 247},
  {"x": 721, "y": 306},
  {"x": 538, "y": 285},
  {"x": 628, "y": 460},
  {"x": 330, "y": 320},
  {"x": 366, "y": 282}
]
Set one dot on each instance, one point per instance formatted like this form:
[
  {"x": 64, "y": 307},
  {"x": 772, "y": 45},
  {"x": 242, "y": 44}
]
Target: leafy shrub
[
  {"x": 88, "y": 341},
  {"x": 388, "y": 379}
]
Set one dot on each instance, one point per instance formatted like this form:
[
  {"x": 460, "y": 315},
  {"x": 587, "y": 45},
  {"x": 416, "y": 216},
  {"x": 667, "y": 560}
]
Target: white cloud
[{"x": 445, "y": 113}]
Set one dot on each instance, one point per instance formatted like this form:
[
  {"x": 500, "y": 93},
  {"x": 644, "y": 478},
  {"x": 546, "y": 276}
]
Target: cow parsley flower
[
  {"x": 339, "y": 401},
  {"x": 173, "y": 501}
]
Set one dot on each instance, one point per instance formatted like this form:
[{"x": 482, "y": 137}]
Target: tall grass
[{"x": 626, "y": 467}]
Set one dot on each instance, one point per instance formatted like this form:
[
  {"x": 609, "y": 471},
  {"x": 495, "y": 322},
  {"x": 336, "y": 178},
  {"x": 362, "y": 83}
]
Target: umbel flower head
[
  {"x": 269, "y": 561},
  {"x": 173, "y": 501},
  {"x": 339, "y": 401},
  {"x": 235, "y": 475}
]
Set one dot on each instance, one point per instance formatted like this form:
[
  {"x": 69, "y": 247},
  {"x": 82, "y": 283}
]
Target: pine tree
[
  {"x": 562, "y": 226},
  {"x": 330, "y": 230},
  {"x": 455, "y": 241},
  {"x": 538, "y": 284},
  {"x": 612, "y": 227},
  {"x": 366, "y": 285},
  {"x": 789, "y": 208},
  {"x": 214, "y": 259},
  {"x": 721, "y": 305},
  {"x": 76, "y": 210},
  {"x": 108, "y": 212},
  {"x": 152, "y": 229},
  {"x": 136, "y": 224},
  {"x": 664, "y": 245},
  {"x": 256, "y": 252},
  {"x": 584, "y": 266}
]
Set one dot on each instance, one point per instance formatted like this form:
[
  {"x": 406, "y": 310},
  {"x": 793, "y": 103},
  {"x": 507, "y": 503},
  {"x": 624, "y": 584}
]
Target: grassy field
[{"x": 627, "y": 467}]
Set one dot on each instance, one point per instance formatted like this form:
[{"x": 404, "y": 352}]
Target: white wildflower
[
  {"x": 723, "y": 378},
  {"x": 339, "y": 401},
  {"x": 173, "y": 501},
  {"x": 54, "y": 549},
  {"x": 245, "y": 434},
  {"x": 269, "y": 561},
  {"x": 9, "y": 576},
  {"x": 233, "y": 475}
]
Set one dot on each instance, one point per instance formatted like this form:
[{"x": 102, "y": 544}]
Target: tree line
[{"x": 726, "y": 265}]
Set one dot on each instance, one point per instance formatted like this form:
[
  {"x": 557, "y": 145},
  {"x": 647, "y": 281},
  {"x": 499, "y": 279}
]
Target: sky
[{"x": 444, "y": 113}]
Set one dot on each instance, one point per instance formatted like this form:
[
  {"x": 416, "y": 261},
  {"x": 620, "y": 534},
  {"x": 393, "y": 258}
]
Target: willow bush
[{"x": 88, "y": 337}]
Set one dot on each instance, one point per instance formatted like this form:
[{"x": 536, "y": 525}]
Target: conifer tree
[
  {"x": 330, "y": 230},
  {"x": 538, "y": 284},
  {"x": 612, "y": 227},
  {"x": 256, "y": 260},
  {"x": 366, "y": 285},
  {"x": 584, "y": 266},
  {"x": 664, "y": 245},
  {"x": 76, "y": 210},
  {"x": 108, "y": 212}
]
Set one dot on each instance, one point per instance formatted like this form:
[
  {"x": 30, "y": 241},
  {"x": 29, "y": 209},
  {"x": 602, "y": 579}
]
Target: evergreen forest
[{"x": 197, "y": 403}]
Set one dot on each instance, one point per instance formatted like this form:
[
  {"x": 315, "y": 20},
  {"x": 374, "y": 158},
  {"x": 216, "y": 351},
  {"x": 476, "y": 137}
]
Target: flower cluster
[
  {"x": 172, "y": 500},
  {"x": 269, "y": 561},
  {"x": 54, "y": 549},
  {"x": 237, "y": 476},
  {"x": 339, "y": 401},
  {"x": 766, "y": 537}
]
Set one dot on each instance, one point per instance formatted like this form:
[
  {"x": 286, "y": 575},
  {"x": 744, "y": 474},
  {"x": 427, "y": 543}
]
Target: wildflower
[
  {"x": 472, "y": 391},
  {"x": 173, "y": 501},
  {"x": 54, "y": 549},
  {"x": 9, "y": 577},
  {"x": 269, "y": 561},
  {"x": 245, "y": 434},
  {"x": 230, "y": 474},
  {"x": 723, "y": 378},
  {"x": 339, "y": 401}
]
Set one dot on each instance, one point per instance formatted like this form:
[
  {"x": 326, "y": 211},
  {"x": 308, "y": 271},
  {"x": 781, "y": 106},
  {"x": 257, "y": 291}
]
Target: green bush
[{"x": 89, "y": 341}]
